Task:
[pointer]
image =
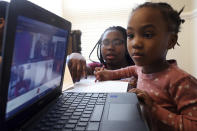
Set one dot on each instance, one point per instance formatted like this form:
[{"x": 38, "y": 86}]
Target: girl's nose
[
  {"x": 110, "y": 46},
  {"x": 137, "y": 43}
]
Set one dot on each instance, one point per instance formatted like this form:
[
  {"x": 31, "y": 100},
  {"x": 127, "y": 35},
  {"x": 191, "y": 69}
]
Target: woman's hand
[
  {"x": 102, "y": 74},
  {"x": 143, "y": 97},
  {"x": 77, "y": 66}
]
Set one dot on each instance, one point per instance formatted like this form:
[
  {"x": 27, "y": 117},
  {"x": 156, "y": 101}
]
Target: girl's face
[
  {"x": 148, "y": 38},
  {"x": 113, "y": 48}
]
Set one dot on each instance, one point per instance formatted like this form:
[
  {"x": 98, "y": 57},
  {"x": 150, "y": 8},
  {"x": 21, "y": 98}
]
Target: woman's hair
[
  {"x": 3, "y": 7},
  {"x": 98, "y": 45},
  {"x": 171, "y": 16}
]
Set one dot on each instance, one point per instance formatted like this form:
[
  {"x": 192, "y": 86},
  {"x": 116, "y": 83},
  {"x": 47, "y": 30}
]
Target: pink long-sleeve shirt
[{"x": 174, "y": 93}]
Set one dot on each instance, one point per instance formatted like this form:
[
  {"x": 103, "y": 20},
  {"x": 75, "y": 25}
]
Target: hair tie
[{"x": 182, "y": 21}]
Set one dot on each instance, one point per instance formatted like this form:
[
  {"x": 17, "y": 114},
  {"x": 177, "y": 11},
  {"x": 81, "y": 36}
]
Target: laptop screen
[{"x": 37, "y": 64}]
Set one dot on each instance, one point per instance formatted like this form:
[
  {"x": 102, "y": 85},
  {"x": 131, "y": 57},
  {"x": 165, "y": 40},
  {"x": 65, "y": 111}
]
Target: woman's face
[{"x": 113, "y": 48}]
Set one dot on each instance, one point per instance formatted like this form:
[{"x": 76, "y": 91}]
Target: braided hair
[
  {"x": 171, "y": 16},
  {"x": 98, "y": 45}
]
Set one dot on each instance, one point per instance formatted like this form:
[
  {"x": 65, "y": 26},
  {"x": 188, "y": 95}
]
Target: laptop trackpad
[{"x": 122, "y": 112}]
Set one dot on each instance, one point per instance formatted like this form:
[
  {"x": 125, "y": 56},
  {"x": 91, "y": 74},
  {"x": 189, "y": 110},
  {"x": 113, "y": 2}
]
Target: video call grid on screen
[{"x": 37, "y": 64}]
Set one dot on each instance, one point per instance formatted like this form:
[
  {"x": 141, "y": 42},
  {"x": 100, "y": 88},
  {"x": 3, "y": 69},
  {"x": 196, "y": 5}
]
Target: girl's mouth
[
  {"x": 137, "y": 55},
  {"x": 110, "y": 57}
]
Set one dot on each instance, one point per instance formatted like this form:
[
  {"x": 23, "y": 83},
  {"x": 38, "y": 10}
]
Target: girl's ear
[{"x": 172, "y": 41}]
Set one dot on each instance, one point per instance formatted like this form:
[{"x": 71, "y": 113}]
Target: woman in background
[{"x": 111, "y": 52}]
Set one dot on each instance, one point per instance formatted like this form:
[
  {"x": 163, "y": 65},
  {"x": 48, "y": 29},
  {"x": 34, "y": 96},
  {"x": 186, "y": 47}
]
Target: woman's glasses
[{"x": 116, "y": 42}]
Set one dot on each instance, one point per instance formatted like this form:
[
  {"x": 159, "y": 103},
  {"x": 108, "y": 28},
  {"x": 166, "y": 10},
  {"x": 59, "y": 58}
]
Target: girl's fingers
[
  {"x": 135, "y": 90},
  {"x": 97, "y": 78},
  {"x": 99, "y": 69},
  {"x": 141, "y": 95},
  {"x": 84, "y": 71},
  {"x": 74, "y": 70},
  {"x": 79, "y": 72}
]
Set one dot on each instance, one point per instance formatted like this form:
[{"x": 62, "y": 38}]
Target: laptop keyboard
[{"x": 74, "y": 112}]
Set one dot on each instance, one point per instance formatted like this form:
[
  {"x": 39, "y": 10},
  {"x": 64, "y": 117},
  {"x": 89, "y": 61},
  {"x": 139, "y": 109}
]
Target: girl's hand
[
  {"x": 77, "y": 66},
  {"x": 143, "y": 97},
  {"x": 99, "y": 69},
  {"x": 102, "y": 75}
]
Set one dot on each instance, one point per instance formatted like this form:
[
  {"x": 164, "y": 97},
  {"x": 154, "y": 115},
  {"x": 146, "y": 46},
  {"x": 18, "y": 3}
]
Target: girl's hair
[
  {"x": 3, "y": 7},
  {"x": 171, "y": 16},
  {"x": 98, "y": 45}
]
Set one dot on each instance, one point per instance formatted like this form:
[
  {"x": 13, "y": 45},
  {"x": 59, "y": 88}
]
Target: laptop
[{"x": 31, "y": 98}]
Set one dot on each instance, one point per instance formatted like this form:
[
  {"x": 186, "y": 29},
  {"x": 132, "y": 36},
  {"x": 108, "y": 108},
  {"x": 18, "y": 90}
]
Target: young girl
[
  {"x": 111, "y": 52},
  {"x": 168, "y": 94}
]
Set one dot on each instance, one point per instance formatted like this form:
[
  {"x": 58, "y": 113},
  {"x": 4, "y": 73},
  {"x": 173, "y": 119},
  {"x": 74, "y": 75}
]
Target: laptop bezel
[{"x": 30, "y": 10}]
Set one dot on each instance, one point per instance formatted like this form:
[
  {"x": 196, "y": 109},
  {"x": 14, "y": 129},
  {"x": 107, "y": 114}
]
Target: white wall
[
  {"x": 193, "y": 39},
  {"x": 194, "y": 4},
  {"x": 54, "y": 6},
  {"x": 178, "y": 4}
]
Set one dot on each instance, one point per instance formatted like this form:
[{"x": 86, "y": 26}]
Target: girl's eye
[
  {"x": 130, "y": 36},
  {"x": 148, "y": 35}
]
